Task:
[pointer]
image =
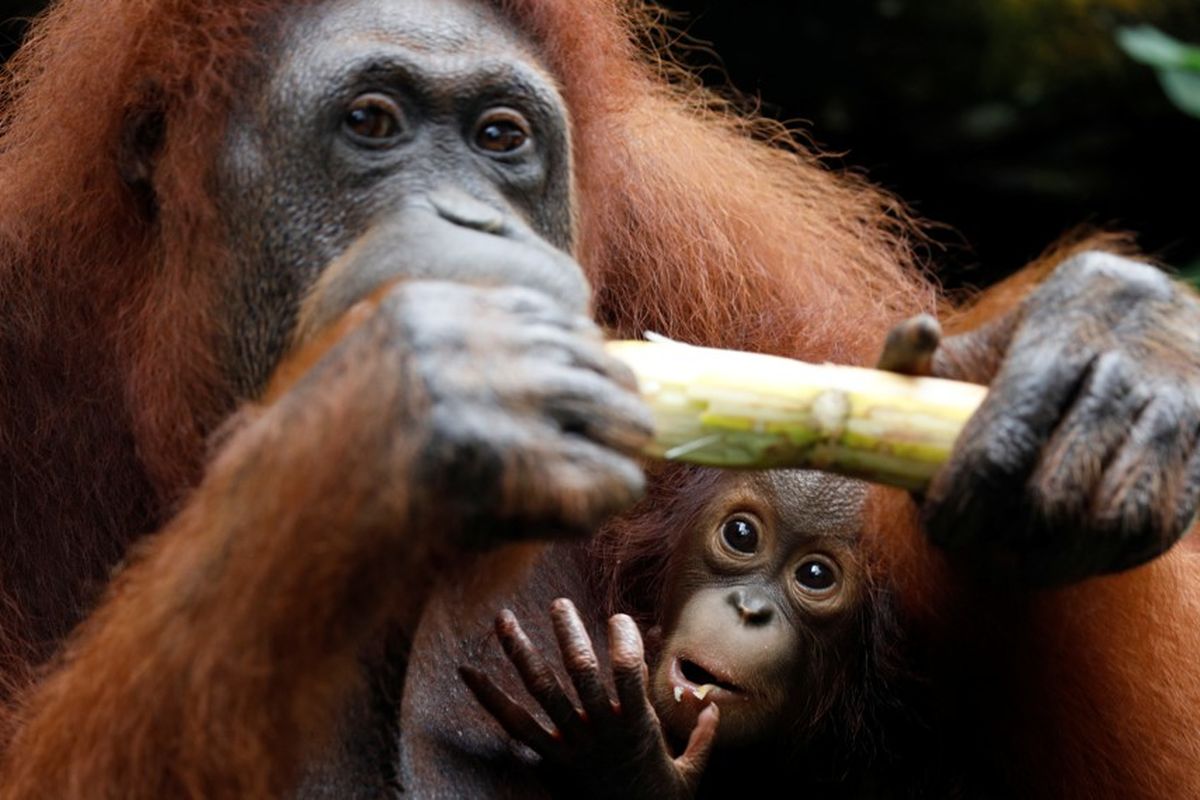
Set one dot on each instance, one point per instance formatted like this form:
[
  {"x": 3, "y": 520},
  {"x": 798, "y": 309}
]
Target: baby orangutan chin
[{"x": 766, "y": 649}]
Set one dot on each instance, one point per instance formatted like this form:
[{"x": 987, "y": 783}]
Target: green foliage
[
  {"x": 1177, "y": 63},
  {"x": 1191, "y": 274}
]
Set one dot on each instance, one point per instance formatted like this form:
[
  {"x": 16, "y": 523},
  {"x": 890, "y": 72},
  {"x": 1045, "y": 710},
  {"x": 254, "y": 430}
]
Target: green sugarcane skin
[{"x": 751, "y": 411}]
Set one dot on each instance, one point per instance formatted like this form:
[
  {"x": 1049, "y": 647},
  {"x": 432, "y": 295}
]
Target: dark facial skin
[
  {"x": 758, "y": 627},
  {"x": 391, "y": 140},
  {"x": 416, "y": 154}
]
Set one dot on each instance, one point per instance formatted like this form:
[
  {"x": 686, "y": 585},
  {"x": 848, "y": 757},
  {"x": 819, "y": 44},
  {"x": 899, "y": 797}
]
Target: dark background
[{"x": 1009, "y": 120}]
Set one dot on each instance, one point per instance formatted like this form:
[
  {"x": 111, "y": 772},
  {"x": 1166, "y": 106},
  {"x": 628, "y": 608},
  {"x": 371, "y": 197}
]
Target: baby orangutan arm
[{"x": 609, "y": 748}]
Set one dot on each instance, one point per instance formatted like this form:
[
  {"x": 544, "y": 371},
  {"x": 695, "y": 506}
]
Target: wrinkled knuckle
[
  {"x": 1082, "y": 266},
  {"x": 1134, "y": 277},
  {"x": 420, "y": 295},
  {"x": 577, "y": 660},
  {"x": 624, "y": 622},
  {"x": 454, "y": 432},
  {"x": 543, "y": 684},
  {"x": 586, "y": 327},
  {"x": 1000, "y": 455},
  {"x": 627, "y": 664},
  {"x": 526, "y": 300},
  {"x": 1112, "y": 369},
  {"x": 1091, "y": 264},
  {"x": 1057, "y": 494},
  {"x": 523, "y": 296}
]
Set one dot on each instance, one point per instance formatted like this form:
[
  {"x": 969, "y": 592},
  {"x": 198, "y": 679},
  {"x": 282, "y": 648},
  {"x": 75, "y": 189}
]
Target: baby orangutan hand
[{"x": 609, "y": 748}]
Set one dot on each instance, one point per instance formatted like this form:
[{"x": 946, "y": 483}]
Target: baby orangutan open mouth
[{"x": 689, "y": 676}]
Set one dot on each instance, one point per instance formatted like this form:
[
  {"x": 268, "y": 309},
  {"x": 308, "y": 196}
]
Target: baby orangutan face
[
  {"x": 762, "y": 632},
  {"x": 760, "y": 600}
]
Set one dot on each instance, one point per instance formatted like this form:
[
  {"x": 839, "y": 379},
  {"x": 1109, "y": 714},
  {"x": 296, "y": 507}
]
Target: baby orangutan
[{"x": 767, "y": 648}]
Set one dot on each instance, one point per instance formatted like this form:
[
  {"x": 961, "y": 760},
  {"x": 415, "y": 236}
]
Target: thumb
[
  {"x": 976, "y": 355},
  {"x": 910, "y": 346},
  {"x": 700, "y": 743}
]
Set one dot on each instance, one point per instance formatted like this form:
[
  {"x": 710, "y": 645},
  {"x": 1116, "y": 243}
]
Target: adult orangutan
[{"x": 299, "y": 288}]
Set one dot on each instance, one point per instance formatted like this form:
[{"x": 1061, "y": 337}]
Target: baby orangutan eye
[
  {"x": 740, "y": 534},
  {"x": 817, "y": 576}
]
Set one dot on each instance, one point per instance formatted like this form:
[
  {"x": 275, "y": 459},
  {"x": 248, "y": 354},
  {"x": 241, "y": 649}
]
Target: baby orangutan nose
[{"x": 752, "y": 607}]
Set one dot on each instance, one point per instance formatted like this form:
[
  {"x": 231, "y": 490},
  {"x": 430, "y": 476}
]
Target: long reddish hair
[
  {"x": 108, "y": 384},
  {"x": 695, "y": 221}
]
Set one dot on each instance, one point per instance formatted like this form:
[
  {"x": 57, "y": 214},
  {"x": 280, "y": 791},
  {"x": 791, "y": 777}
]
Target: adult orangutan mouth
[{"x": 689, "y": 677}]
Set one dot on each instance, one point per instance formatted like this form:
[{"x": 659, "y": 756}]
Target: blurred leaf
[
  {"x": 1191, "y": 274},
  {"x": 1183, "y": 87},
  {"x": 1151, "y": 46},
  {"x": 1177, "y": 64}
]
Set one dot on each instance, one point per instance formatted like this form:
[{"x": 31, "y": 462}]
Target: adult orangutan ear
[{"x": 142, "y": 138}]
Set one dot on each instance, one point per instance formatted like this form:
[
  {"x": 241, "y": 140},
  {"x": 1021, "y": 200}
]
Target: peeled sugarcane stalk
[{"x": 726, "y": 408}]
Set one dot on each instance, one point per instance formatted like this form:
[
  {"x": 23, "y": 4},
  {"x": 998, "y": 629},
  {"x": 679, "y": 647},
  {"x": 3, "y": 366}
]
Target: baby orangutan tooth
[
  {"x": 678, "y": 694},
  {"x": 703, "y": 690}
]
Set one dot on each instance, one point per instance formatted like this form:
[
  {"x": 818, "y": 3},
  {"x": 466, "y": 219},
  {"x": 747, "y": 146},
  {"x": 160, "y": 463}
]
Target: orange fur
[{"x": 695, "y": 221}]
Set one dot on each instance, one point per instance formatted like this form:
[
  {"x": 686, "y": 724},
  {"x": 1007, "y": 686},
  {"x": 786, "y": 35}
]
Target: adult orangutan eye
[
  {"x": 374, "y": 119},
  {"x": 740, "y": 534},
  {"x": 502, "y": 131},
  {"x": 817, "y": 576}
]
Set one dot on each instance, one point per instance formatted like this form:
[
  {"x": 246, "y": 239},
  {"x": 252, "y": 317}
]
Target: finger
[
  {"x": 581, "y": 486},
  {"x": 562, "y": 346},
  {"x": 630, "y": 674},
  {"x": 536, "y": 306},
  {"x": 699, "y": 747},
  {"x": 1134, "y": 513},
  {"x": 579, "y": 657},
  {"x": 539, "y": 677},
  {"x": 590, "y": 405},
  {"x": 437, "y": 299},
  {"x": 1097, "y": 424},
  {"x": 981, "y": 486},
  {"x": 587, "y": 350},
  {"x": 975, "y": 355},
  {"x": 516, "y": 721},
  {"x": 910, "y": 346},
  {"x": 1136, "y": 501}
]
